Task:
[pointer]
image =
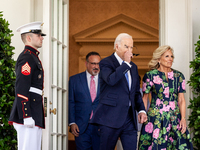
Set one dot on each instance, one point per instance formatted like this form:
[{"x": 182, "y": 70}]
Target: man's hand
[
  {"x": 142, "y": 117},
  {"x": 75, "y": 130},
  {"x": 127, "y": 56},
  {"x": 29, "y": 122}
]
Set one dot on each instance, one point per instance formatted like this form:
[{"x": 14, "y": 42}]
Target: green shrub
[
  {"x": 194, "y": 82},
  {"x": 8, "y": 138}
]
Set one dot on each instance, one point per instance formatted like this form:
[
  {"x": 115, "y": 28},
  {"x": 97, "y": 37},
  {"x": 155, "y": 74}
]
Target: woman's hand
[
  {"x": 182, "y": 106},
  {"x": 183, "y": 125}
]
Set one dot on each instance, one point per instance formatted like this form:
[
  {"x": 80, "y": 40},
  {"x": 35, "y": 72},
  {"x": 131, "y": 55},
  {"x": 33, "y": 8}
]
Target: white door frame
[{"x": 55, "y": 63}]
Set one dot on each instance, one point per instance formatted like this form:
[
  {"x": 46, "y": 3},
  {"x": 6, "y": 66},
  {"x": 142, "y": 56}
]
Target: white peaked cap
[{"x": 33, "y": 27}]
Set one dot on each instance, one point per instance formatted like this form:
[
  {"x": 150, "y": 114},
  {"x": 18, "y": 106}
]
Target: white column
[
  {"x": 195, "y": 20},
  {"x": 176, "y": 31},
  {"x": 46, "y": 58}
]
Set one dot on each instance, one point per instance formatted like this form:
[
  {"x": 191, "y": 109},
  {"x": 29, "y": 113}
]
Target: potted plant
[
  {"x": 8, "y": 138},
  {"x": 194, "y": 82}
]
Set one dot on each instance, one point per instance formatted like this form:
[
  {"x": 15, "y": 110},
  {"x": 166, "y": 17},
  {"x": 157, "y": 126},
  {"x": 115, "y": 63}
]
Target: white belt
[{"x": 36, "y": 90}]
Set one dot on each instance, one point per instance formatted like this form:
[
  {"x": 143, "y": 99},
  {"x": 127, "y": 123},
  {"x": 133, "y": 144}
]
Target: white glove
[{"x": 29, "y": 122}]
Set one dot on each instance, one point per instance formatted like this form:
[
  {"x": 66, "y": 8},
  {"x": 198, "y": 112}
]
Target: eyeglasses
[
  {"x": 92, "y": 63},
  {"x": 135, "y": 54}
]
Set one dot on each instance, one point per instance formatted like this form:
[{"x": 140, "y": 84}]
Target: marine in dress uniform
[{"x": 27, "y": 114}]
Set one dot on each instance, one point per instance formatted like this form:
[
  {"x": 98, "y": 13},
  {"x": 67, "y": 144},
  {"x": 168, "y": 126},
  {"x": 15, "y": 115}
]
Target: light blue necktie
[{"x": 126, "y": 75}]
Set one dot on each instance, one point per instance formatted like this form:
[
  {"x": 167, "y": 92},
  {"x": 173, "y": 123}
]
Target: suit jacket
[
  {"x": 29, "y": 73},
  {"x": 115, "y": 94},
  {"x": 80, "y": 102}
]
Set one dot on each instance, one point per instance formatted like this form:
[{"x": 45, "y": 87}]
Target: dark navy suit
[
  {"x": 114, "y": 110},
  {"x": 81, "y": 106},
  {"x": 29, "y": 73}
]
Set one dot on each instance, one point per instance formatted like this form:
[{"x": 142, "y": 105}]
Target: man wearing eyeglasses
[
  {"x": 119, "y": 97},
  {"x": 83, "y": 100}
]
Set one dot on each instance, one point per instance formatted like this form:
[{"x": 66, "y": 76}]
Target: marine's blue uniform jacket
[{"x": 29, "y": 73}]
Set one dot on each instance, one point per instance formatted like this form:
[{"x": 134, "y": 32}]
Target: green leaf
[
  {"x": 1, "y": 143},
  {"x": 8, "y": 136},
  {"x": 194, "y": 83}
]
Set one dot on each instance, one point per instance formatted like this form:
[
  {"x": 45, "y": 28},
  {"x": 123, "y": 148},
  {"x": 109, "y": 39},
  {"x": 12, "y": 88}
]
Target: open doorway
[{"x": 103, "y": 20}]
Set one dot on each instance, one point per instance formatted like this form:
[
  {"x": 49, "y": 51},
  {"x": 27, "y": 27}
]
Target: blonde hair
[{"x": 154, "y": 64}]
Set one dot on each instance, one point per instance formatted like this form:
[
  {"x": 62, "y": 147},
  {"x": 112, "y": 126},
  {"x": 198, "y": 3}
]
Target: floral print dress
[{"x": 162, "y": 131}]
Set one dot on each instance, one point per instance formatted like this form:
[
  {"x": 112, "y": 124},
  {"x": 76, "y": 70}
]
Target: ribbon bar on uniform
[{"x": 35, "y": 90}]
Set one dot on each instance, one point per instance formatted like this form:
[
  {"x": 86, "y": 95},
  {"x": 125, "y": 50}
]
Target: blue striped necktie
[{"x": 126, "y": 75}]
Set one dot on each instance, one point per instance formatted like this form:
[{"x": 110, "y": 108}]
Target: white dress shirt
[
  {"x": 120, "y": 62},
  {"x": 88, "y": 75}
]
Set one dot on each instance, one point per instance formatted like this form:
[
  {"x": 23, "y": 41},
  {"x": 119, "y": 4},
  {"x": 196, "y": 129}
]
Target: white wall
[
  {"x": 176, "y": 31},
  {"x": 17, "y": 13},
  {"x": 195, "y": 20},
  {"x": 20, "y": 12}
]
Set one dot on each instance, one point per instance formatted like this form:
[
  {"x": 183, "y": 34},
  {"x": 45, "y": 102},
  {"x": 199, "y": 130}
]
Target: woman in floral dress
[{"x": 166, "y": 127}]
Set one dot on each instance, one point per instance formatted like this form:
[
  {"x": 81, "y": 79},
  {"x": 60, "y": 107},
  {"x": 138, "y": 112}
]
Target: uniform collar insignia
[{"x": 32, "y": 50}]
